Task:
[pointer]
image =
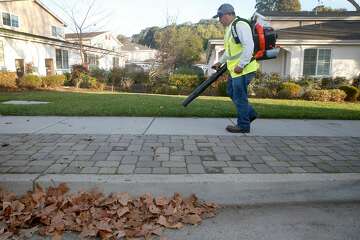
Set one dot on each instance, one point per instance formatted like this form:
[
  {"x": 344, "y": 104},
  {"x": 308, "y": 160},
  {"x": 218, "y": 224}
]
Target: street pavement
[{"x": 272, "y": 222}]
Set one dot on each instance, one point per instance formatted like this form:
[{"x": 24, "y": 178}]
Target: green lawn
[{"x": 124, "y": 104}]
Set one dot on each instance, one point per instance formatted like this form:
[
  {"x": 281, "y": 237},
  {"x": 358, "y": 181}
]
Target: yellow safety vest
[{"x": 234, "y": 51}]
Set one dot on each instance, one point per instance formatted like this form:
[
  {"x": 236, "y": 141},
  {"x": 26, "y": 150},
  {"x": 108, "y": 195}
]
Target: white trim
[
  {"x": 318, "y": 42},
  {"x": 318, "y": 18}
]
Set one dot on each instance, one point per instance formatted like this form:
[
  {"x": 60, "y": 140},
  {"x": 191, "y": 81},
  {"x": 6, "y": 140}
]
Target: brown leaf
[
  {"x": 153, "y": 209},
  {"x": 103, "y": 226},
  {"x": 88, "y": 231},
  {"x": 192, "y": 219},
  {"x": 123, "y": 198},
  {"x": 161, "y": 201},
  {"x": 122, "y": 211}
]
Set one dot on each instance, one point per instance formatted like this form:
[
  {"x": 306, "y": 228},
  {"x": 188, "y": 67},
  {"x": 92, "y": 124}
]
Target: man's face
[{"x": 225, "y": 19}]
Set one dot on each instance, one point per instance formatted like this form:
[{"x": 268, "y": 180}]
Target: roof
[
  {"x": 334, "y": 30},
  {"x": 311, "y": 14},
  {"x": 134, "y": 47},
  {"x": 84, "y": 35}
]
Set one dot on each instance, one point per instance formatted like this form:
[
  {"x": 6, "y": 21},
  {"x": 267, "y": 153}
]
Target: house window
[
  {"x": 2, "y": 59},
  {"x": 10, "y": 20},
  {"x": 115, "y": 62},
  {"x": 92, "y": 60},
  {"x": 57, "y": 32},
  {"x": 62, "y": 59},
  {"x": 317, "y": 62}
]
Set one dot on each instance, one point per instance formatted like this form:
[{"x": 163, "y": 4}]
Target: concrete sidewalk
[{"x": 174, "y": 126}]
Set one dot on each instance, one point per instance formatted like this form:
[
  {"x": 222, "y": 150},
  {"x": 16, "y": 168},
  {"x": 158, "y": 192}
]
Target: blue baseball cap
[{"x": 224, "y": 9}]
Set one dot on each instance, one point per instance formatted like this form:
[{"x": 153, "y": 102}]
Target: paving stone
[
  {"x": 192, "y": 159},
  {"x": 105, "y": 164},
  {"x": 142, "y": 170},
  {"x": 148, "y": 164},
  {"x": 146, "y": 158},
  {"x": 326, "y": 167},
  {"x": 223, "y": 157},
  {"x": 178, "y": 170},
  {"x": 281, "y": 169},
  {"x": 161, "y": 170},
  {"x": 90, "y": 170},
  {"x": 247, "y": 170},
  {"x": 239, "y": 164},
  {"x": 107, "y": 170},
  {"x": 72, "y": 170},
  {"x": 312, "y": 170},
  {"x": 14, "y": 163},
  {"x": 213, "y": 170},
  {"x": 230, "y": 170},
  {"x": 177, "y": 158},
  {"x": 36, "y": 169},
  {"x": 18, "y": 170},
  {"x": 56, "y": 168},
  {"x": 195, "y": 168},
  {"x": 81, "y": 163},
  {"x": 297, "y": 170},
  {"x": 262, "y": 168},
  {"x": 174, "y": 164},
  {"x": 277, "y": 164},
  {"x": 4, "y": 169},
  {"x": 215, "y": 164},
  {"x": 126, "y": 169}
]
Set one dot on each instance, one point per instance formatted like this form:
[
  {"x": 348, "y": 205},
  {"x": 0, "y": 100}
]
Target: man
[{"x": 240, "y": 65}]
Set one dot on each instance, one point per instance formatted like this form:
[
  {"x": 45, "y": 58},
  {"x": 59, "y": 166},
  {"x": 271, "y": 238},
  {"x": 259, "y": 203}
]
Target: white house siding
[
  {"x": 346, "y": 61},
  {"x": 31, "y": 52}
]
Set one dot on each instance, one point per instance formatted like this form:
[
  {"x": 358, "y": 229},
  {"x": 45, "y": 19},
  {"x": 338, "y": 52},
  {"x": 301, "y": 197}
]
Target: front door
[
  {"x": 49, "y": 64},
  {"x": 20, "y": 68}
]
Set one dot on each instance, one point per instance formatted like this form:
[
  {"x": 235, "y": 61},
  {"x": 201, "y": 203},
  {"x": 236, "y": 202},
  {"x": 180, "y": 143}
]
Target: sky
[{"x": 128, "y": 17}]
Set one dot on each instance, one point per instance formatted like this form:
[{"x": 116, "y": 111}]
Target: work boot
[
  {"x": 253, "y": 118},
  {"x": 236, "y": 129}
]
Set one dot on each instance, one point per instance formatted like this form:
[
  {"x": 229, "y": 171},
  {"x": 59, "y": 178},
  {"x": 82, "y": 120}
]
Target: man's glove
[{"x": 216, "y": 66}]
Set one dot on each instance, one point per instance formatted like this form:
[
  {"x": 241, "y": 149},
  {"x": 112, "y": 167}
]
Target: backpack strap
[{"x": 233, "y": 28}]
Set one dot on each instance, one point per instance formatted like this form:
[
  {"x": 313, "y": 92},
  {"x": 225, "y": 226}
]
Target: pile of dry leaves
[{"x": 118, "y": 216}]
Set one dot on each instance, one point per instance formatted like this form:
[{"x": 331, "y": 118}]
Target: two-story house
[
  {"x": 32, "y": 40},
  {"x": 139, "y": 54},
  {"x": 102, "y": 40},
  {"x": 324, "y": 44}
]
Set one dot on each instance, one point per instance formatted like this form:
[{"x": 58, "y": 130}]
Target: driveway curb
[{"x": 223, "y": 189}]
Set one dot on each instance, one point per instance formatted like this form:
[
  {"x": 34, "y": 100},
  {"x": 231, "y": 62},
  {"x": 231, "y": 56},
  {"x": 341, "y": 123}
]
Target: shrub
[
  {"x": 30, "y": 81},
  {"x": 183, "y": 81},
  {"x": 352, "y": 93},
  {"x": 102, "y": 75},
  {"x": 53, "y": 81},
  {"x": 222, "y": 89},
  {"x": 335, "y": 95},
  {"x": 289, "y": 90},
  {"x": 8, "y": 80},
  {"x": 263, "y": 92},
  {"x": 136, "y": 73},
  {"x": 77, "y": 72},
  {"x": 308, "y": 83},
  {"x": 332, "y": 83},
  {"x": 67, "y": 81}
]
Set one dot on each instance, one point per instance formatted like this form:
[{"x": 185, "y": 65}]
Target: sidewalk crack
[{"x": 148, "y": 126}]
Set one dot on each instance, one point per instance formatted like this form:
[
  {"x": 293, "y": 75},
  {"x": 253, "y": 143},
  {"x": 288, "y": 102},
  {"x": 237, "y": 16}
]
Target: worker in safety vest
[{"x": 241, "y": 66}]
